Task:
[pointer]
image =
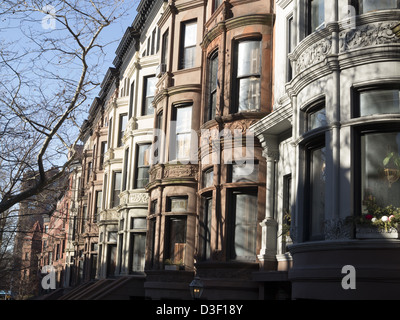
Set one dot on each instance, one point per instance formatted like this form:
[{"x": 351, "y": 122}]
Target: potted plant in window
[
  {"x": 377, "y": 222},
  {"x": 391, "y": 165},
  {"x": 170, "y": 265}
]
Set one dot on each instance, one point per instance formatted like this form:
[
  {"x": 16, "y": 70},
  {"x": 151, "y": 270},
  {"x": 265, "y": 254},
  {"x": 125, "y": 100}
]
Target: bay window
[{"x": 248, "y": 76}]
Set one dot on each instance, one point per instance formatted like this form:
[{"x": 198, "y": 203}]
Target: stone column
[{"x": 269, "y": 225}]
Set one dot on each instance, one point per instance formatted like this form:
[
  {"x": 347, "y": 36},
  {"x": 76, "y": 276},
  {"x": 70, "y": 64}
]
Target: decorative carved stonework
[
  {"x": 138, "y": 198},
  {"x": 314, "y": 54},
  {"x": 368, "y": 35},
  {"x": 180, "y": 171}
]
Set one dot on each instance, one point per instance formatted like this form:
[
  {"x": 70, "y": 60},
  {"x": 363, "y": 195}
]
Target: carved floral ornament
[{"x": 367, "y": 35}]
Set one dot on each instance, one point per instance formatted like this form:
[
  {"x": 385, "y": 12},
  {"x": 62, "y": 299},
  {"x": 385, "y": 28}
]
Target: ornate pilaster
[{"x": 269, "y": 225}]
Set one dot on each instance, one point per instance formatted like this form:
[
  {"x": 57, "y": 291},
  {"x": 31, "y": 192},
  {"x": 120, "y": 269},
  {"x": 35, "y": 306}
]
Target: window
[
  {"x": 177, "y": 204},
  {"x": 243, "y": 226},
  {"x": 116, "y": 188},
  {"x": 379, "y": 169},
  {"x": 380, "y": 101},
  {"x": 125, "y": 175},
  {"x": 212, "y": 86},
  {"x": 316, "y": 190},
  {"x": 154, "y": 206},
  {"x": 181, "y": 132},
  {"x": 149, "y": 84},
  {"x": 316, "y": 117},
  {"x": 246, "y": 172},
  {"x": 138, "y": 250},
  {"x": 188, "y": 44},
  {"x": 137, "y": 244},
  {"x": 164, "y": 53},
  {"x": 176, "y": 239},
  {"x": 143, "y": 165},
  {"x": 248, "y": 73},
  {"x": 102, "y": 152},
  {"x": 364, "y": 6},
  {"x": 286, "y": 206},
  {"x": 208, "y": 178},
  {"x": 205, "y": 227},
  {"x": 216, "y": 4},
  {"x": 131, "y": 104},
  {"x": 158, "y": 138},
  {"x": 109, "y": 130},
  {"x": 291, "y": 43},
  {"x": 97, "y": 208},
  {"x": 316, "y": 15},
  {"x": 123, "y": 118}
]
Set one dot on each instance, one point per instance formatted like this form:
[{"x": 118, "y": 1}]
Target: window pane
[
  {"x": 149, "y": 95},
  {"x": 138, "y": 245},
  {"x": 208, "y": 178},
  {"x": 112, "y": 237},
  {"x": 177, "y": 239},
  {"x": 245, "y": 226},
  {"x": 249, "y": 58},
  {"x": 379, "y": 179},
  {"x": 317, "y": 188},
  {"x": 379, "y": 102},
  {"x": 317, "y": 119},
  {"x": 183, "y": 146},
  {"x": 190, "y": 34},
  {"x": 138, "y": 223},
  {"x": 371, "y": 5},
  {"x": 189, "y": 45},
  {"x": 249, "y": 94},
  {"x": 213, "y": 78},
  {"x": 183, "y": 132},
  {"x": 183, "y": 119},
  {"x": 117, "y": 189},
  {"x": 206, "y": 228},
  {"x": 246, "y": 172},
  {"x": 178, "y": 204},
  {"x": 317, "y": 14}
]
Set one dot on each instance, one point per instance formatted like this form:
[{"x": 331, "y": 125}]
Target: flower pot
[
  {"x": 171, "y": 267},
  {"x": 370, "y": 232}
]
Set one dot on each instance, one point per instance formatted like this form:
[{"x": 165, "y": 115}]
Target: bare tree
[{"x": 49, "y": 66}]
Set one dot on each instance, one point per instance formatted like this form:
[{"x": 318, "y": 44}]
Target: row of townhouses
[{"x": 244, "y": 143}]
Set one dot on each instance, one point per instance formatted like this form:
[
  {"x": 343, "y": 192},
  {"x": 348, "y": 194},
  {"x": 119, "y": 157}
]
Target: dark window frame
[{"x": 317, "y": 143}]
